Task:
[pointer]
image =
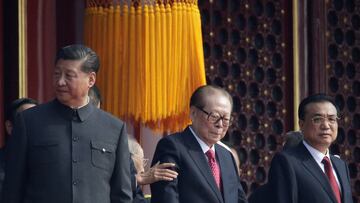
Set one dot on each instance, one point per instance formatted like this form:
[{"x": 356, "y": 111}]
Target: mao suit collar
[{"x": 80, "y": 114}]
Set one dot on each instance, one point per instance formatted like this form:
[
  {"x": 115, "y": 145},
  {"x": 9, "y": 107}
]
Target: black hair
[
  {"x": 15, "y": 105},
  {"x": 316, "y": 98},
  {"x": 198, "y": 96},
  {"x": 80, "y": 52},
  {"x": 94, "y": 95}
]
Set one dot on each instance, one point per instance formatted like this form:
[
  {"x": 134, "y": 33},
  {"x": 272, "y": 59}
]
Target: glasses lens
[
  {"x": 321, "y": 119},
  {"x": 213, "y": 117}
]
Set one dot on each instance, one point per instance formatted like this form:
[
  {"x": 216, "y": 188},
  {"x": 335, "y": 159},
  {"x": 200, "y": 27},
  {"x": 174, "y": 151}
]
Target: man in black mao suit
[
  {"x": 68, "y": 150},
  {"x": 300, "y": 174},
  {"x": 210, "y": 112}
]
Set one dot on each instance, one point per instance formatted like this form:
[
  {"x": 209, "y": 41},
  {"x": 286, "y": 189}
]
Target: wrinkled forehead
[
  {"x": 323, "y": 108},
  {"x": 218, "y": 101}
]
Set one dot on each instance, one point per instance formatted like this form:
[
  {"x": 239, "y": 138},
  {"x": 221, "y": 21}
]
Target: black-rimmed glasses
[{"x": 215, "y": 118}]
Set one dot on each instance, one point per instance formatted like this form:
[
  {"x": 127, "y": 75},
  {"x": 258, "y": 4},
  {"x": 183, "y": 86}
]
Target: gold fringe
[{"x": 152, "y": 58}]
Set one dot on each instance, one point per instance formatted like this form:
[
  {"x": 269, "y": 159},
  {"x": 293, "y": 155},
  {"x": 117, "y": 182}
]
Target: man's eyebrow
[{"x": 319, "y": 114}]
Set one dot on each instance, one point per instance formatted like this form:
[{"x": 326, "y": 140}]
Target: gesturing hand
[{"x": 157, "y": 173}]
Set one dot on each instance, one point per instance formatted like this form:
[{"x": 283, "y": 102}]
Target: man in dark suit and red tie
[
  {"x": 308, "y": 172},
  {"x": 207, "y": 171}
]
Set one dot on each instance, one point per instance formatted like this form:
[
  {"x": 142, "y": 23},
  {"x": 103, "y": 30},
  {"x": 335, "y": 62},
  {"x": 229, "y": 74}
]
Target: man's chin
[
  {"x": 327, "y": 139},
  {"x": 61, "y": 99}
]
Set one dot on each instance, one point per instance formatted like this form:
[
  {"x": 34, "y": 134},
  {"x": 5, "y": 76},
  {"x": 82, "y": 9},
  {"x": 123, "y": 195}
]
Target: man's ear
[
  {"x": 92, "y": 79},
  {"x": 301, "y": 124},
  {"x": 8, "y": 127},
  {"x": 192, "y": 113}
]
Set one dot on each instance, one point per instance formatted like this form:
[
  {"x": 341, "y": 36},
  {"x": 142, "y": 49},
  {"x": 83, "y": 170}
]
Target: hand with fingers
[{"x": 159, "y": 172}]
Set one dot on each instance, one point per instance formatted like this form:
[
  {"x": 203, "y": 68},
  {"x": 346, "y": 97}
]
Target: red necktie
[
  {"x": 215, "y": 169},
  {"x": 332, "y": 180}
]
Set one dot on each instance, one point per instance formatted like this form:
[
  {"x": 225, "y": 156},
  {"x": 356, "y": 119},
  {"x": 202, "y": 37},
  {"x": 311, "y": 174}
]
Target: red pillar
[{"x": 41, "y": 48}]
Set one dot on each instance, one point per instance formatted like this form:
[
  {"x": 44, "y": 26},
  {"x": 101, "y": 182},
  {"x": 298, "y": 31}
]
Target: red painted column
[{"x": 41, "y": 48}]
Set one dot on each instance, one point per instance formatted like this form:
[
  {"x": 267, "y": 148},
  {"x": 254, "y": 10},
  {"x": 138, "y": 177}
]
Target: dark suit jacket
[
  {"x": 295, "y": 177},
  {"x": 195, "y": 182},
  {"x": 60, "y": 155},
  {"x": 260, "y": 195},
  {"x": 2, "y": 169}
]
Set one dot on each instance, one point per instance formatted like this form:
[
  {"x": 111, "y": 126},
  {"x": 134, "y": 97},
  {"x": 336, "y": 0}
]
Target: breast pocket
[
  {"x": 102, "y": 155},
  {"x": 44, "y": 152}
]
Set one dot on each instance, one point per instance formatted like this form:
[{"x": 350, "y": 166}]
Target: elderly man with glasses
[{"x": 207, "y": 171}]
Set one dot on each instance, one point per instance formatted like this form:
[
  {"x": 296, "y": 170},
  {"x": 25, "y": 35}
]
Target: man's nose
[
  {"x": 61, "y": 81},
  {"x": 325, "y": 124},
  {"x": 219, "y": 123}
]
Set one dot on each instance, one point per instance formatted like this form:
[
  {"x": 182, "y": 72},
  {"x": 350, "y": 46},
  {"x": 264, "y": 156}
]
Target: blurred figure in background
[
  {"x": 95, "y": 96},
  {"x": 143, "y": 177},
  {"x": 16, "y": 107},
  {"x": 293, "y": 138}
]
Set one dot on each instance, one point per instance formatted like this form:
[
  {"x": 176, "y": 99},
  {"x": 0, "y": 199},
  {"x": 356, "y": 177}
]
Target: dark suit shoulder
[
  {"x": 337, "y": 159},
  {"x": 169, "y": 141},
  {"x": 176, "y": 139},
  {"x": 41, "y": 108},
  {"x": 169, "y": 149},
  {"x": 108, "y": 118},
  {"x": 223, "y": 149}
]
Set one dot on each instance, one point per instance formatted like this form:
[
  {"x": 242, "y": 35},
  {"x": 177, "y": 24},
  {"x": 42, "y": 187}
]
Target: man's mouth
[{"x": 325, "y": 134}]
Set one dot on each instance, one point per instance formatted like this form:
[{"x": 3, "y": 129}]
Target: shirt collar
[
  {"x": 203, "y": 145},
  {"x": 318, "y": 156}
]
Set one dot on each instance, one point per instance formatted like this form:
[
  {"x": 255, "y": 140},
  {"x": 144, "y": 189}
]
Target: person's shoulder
[
  {"x": 40, "y": 108},
  {"x": 175, "y": 139},
  {"x": 223, "y": 145},
  {"x": 294, "y": 154},
  {"x": 337, "y": 158},
  {"x": 107, "y": 117},
  {"x": 177, "y": 135},
  {"x": 223, "y": 148}
]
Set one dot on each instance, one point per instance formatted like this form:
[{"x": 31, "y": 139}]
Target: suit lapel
[
  {"x": 341, "y": 175},
  {"x": 224, "y": 170},
  {"x": 200, "y": 161},
  {"x": 311, "y": 165}
]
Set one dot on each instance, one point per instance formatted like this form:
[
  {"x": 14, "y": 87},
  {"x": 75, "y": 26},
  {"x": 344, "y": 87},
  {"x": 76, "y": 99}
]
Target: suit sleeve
[
  {"x": 15, "y": 163},
  {"x": 282, "y": 185},
  {"x": 165, "y": 191},
  {"x": 120, "y": 182},
  {"x": 241, "y": 194},
  {"x": 348, "y": 196}
]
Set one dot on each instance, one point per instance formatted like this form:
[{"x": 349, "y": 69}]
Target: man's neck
[{"x": 80, "y": 105}]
